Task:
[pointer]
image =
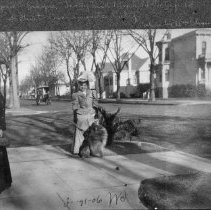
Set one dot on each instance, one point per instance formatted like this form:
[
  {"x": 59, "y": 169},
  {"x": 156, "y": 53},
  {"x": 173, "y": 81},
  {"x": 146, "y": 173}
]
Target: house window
[
  {"x": 167, "y": 54},
  {"x": 203, "y": 48},
  {"x": 160, "y": 54},
  {"x": 172, "y": 55},
  {"x": 167, "y": 75},
  {"x": 134, "y": 79},
  {"x": 106, "y": 82},
  {"x": 128, "y": 81},
  {"x": 125, "y": 63},
  {"x": 202, "y": 74},
  {"x": 160, "y": 77},
  {"x": 137, "y": 77}
]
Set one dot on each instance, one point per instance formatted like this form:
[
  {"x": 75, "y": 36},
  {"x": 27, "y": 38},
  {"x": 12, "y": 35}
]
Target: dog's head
[
  {"x": 94, "y": 129},
  {"x": 90, "y": 129}
]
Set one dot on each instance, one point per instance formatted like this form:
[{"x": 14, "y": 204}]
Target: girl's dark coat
[{"x": 5, "y": 173}]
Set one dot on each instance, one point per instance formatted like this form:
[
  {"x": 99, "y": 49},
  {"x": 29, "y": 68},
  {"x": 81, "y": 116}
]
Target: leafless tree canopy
[
  {"x": 10, "y": 46},
  {"x": 147, "y": 40},
  {"x": 119, "y": 57},
  {"x": 45, "y": 71}
]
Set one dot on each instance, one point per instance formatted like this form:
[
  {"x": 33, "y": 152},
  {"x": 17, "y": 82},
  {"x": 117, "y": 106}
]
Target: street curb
[
  {"x": 141, "y": 102},
  {"x": 107, "y": 101},
  {"x": 136, "y": 102}
]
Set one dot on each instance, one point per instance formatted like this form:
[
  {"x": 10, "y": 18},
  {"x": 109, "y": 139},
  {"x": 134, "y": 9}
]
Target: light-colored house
[
  {"x": 185, "y": 60},
  {"x": 136, "y": 71},
  {"x": 59, "y": 89}
]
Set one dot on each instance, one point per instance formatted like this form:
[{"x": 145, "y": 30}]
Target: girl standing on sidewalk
[
  {"x": 83, "y": 102},
  {"x": 5, "y": 173}
]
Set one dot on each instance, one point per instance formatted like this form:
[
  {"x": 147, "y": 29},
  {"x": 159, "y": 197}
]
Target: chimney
[{"x": 168, "y": 34}]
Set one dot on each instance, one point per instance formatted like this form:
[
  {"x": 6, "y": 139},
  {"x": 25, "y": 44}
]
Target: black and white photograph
[{"x": 105, "y": 118}]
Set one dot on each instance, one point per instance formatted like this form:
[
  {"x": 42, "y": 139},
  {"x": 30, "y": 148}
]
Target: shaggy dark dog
[{"x": 95, "y": 139}]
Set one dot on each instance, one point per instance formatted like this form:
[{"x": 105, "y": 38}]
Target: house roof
[
  {"x": 136, "y": 62},
  {"x": 192, "y": 33},
  {"x": 108, "y": 68}
]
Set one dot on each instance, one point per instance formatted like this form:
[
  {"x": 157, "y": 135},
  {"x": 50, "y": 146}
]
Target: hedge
[
  {"x": 187, "y": 90},
  {"x": 122, "y": 95}
]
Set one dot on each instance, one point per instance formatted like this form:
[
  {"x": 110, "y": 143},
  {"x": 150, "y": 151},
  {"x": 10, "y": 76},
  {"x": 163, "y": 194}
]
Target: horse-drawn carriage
[{"x": 43, "y": 95}]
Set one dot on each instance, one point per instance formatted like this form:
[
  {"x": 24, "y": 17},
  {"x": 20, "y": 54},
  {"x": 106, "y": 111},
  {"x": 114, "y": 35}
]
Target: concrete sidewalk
[
  {"x": 24, "y": 111},
  {"x": 48, "y": 177}
]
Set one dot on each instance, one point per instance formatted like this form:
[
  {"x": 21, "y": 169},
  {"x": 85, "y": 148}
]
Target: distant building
[
  {"x": 184, "y": 60},
  {"x": 59, "y": 89},
  {"x": 136, "y": 71}
]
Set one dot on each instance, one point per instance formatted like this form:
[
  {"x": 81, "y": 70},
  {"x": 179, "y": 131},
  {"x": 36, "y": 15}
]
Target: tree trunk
[
  {"x": 10, "y": 102},
  {"x": 5, "y": 91},
  {"x": 118, "y": 86},
  {"x": 76, "y": 74},
  {"x": 100, "y": 88},
  {"x": 71, "y": 88},
  {"x": 0, "y": 80},
  {"x": 152, "y": 83},
  {"x": 16, "y": 101},
  {"x": 16, "y": 67},
  {"x": 84, "y": 64},
  {"x": 70, "y": 80}
]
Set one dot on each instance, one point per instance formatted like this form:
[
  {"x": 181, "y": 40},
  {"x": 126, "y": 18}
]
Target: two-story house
[{"x": 185, "y": 60}]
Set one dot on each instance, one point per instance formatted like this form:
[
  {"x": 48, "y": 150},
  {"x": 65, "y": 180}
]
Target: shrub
[
  {"x": 201, "y": 91},
  {"x": 142, "y": 88},
  {"x": 208, "y": 93},
  {"x": 122, "y": 95},
  {"x": 182, "y": 91},
  {"x": 158, "y": 92},
  {"x": 135, "y": 95}
]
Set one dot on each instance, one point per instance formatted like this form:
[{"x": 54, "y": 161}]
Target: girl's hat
[{"x": 86, "y": 77}]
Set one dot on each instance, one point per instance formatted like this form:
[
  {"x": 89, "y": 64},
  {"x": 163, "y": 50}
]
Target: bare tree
[
  {"x": 36, "y": 76},
  {"x": 26, "y": 84},
  {"x": 79, "y": 42},
  {"x": 45, "y": 71},
  {"x": 146, "y": 39},
  {"x": 99, "y": 49},
  {"x": 5, "y": 60},
  {"x": 4, "y": 71},
  {"x": 10, "y": 47},
  {"x": 18, "y": 36},
  {"x": 73, "y": 48},
  {"x": 96, "y": 36},
  {"x": 59, "y": 42},
  {"x": 119, "y": 56}
]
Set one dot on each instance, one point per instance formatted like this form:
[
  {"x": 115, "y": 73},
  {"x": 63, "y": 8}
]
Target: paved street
[
  {"x": 187, "y": 110},
  {"x": 182, "y": 127}
]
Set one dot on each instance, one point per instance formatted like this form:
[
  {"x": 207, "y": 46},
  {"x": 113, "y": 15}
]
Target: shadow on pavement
[{"x": 34, "y": 130}]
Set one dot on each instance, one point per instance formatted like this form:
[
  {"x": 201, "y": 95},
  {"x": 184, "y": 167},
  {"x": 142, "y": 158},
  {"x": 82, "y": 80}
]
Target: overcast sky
[{"x": 39, "y": 38}]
